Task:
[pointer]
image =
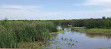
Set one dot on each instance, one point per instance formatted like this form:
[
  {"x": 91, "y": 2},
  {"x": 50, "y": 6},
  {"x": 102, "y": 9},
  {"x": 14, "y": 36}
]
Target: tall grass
[{"x": 13, "y": 32}]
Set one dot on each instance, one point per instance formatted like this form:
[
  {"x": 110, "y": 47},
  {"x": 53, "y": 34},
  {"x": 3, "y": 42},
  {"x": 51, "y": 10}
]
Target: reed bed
[{"x": 14, "y": 32}]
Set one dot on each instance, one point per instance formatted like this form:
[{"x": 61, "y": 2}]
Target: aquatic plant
[{"x": 14, "y": 32}]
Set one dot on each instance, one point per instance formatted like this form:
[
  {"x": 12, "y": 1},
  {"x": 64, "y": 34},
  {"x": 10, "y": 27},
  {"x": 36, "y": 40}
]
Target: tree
[{"x": 103, "y": 17}]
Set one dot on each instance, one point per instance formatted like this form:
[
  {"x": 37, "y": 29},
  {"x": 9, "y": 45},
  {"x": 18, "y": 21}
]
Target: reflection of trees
[{"x": 92, "y": 35}]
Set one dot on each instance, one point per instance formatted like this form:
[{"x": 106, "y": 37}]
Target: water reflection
[
  {"x": 97, "y": 35},
  {"x": 77, "y": 40}
]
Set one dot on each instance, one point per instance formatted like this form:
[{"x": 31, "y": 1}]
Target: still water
[{"x": 77, "y": 40}]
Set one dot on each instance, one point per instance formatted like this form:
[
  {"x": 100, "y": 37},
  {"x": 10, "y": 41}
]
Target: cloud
[
  {"x": 42, "y": 15},
  {"x": 18, "y": 11},
  {"x": 18, "y": 7},
  {"x": 35, "y": 13},
  {"x": 97, "y": 2},
  {"x": 108, "y": 10}
]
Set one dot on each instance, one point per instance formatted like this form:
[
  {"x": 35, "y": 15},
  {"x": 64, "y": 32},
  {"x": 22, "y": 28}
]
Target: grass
[
  {"x": 38, "y": 45},
  {"x": 31, "y": 45},
  {"x": 14, "y": 32},
  {"x": 93, "y": 30},
  {"x": 59, "y": 31}
]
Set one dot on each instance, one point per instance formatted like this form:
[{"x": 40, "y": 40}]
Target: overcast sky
[{"x": 54, "y": 9}]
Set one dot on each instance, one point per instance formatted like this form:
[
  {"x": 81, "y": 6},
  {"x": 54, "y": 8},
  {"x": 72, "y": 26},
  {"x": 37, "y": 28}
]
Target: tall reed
[{"x": 13, "y": 32}]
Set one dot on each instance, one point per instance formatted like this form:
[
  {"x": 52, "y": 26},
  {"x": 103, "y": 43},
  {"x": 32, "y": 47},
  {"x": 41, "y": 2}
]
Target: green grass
[
  {"x": 14, "y": 32},
  {"x": 31, "y": 45},
  {"x": 38, "y": 45},
  {"x": 59, "y": 31},
  {"x": 93, "y": 30}
]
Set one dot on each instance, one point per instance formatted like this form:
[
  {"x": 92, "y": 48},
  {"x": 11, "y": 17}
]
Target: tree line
[{"x": 88, "y": 23}]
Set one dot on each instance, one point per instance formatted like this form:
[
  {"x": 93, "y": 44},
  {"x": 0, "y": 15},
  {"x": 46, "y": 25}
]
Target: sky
[{"x": 54, "y": 9}]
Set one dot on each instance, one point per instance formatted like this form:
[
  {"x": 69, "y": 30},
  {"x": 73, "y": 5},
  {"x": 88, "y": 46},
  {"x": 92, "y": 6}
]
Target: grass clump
[{"x": 14, "y": 32}]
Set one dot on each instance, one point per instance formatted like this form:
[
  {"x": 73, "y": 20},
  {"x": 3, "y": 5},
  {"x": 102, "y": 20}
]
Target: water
[{"x": 76, "y": 40}]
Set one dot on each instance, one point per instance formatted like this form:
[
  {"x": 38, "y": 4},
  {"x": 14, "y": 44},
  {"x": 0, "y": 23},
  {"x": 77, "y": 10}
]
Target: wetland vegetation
[
  {"x": 14, "y": 32},
  {"x": 55, "y": 24},
  {"x": 54, "y": 34},
  {"x": 92, "y": 30}
]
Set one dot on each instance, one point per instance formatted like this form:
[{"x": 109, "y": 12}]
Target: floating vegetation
[
  {"x": 56, "y": 42},
  {"x": 50, "y": 47}
]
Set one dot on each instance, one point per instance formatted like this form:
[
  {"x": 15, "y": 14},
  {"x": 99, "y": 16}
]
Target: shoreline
[{"x": 93, "y": 30}]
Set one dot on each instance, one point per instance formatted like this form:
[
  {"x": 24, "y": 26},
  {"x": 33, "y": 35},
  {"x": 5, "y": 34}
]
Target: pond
[{"x": 78, "y": 40}]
